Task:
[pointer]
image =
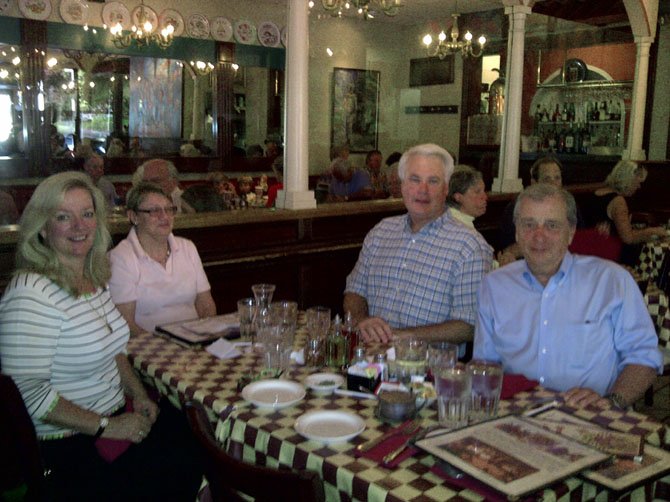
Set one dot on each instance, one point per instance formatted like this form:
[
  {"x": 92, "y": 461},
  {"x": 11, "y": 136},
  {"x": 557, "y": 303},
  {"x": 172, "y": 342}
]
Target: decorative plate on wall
[
  {"x": 74, "y": 11},
  {"x": 268, "y": 34},
  {"x": 35, "y": 9},
  {"x": 4, "y": 5},
  {"x": 245, "y": 32},
  {"x": 171, "y": 16},
  {"x": 197, "y": 26},
  {"x": 222, "y": 29},
  {"x": 116, "y": 12},
  {"x": 284, "y": 36},
  {"x": 149, "y": 14}
]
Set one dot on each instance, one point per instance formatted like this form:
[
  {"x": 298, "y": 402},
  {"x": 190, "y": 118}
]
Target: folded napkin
[
  {"x": 469, "y": 483},
  {"x": 378, "y": 452},
  {"x": 111, "y": 449},
  {"x": 223, "y": 349},
  {"x": 514, "y": 384},
  {"x": 298, "y": 356}
]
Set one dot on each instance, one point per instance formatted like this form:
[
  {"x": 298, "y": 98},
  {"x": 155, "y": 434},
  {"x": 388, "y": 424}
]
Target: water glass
[
  {"x": 315, "y": 352},
  {"x": 277, "y": 357},
  {"x": 486, "y": 378},
  {"x": 410, "y": 359},
  {"x": 441, "y": 354},
  {"x": 453, "y": 387},
  {"x": 246, "y": 309},
  {"x": 318, "y": 321},
  {"x": 285, "y": 314}
]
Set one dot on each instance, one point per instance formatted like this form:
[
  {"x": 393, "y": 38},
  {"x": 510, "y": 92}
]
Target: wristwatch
[
  {"x": 104, "y": 422},
  {"x": 617, "y": 400}
]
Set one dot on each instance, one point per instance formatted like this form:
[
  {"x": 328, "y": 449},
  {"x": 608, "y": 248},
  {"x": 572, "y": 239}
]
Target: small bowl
[{"x": 396, "y": 405}]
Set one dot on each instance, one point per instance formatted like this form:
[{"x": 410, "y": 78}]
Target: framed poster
[
  {"x": 431, "y": 71},
  {"x": 355, "y": 109}
]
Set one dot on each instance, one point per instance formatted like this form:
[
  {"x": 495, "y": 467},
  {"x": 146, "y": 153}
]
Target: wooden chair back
[{"x": 229, "y": 477}]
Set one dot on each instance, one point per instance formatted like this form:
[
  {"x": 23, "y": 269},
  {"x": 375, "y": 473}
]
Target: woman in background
[
  {"x": 157, "y": 278},
  {"x": 467, "y": 195},
  {"x": 64, "y": 344}
]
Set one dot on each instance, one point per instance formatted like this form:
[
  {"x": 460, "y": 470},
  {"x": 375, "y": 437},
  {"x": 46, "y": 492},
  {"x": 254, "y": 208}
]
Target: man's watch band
[
  {"x": 617, "y": 400},
  {"x": 104, "y": 422}
]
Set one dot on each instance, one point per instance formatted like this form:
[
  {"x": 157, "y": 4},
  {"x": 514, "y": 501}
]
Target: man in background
[
  {"x": 94, "y": 166},
  {"x": 164, "y": 174}
]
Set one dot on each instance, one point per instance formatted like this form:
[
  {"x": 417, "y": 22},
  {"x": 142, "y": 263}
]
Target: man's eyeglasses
[{"x": 157, "y": 211}]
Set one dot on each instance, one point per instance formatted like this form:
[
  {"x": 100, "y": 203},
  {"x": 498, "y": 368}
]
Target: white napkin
[
  {"x": 223, "y": 349},
  {"x": 298, "y": 356},
  {"x": 390, "y": 354}
]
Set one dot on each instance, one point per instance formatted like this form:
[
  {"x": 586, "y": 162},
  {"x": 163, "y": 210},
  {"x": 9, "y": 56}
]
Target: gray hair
[
  {"x": 92, "y": 160},
  {"x": 138, "y": 175},
  {"x": 35, "y": 254},
  {"x": 542, "y": 191},
  {"x": 463, "y": 178},
  {"x": 138, "y": 193},
  {"x": 340, "y": 165},
  {"x": 427, "y": 150},
  {"x": 623, "y": 175}
]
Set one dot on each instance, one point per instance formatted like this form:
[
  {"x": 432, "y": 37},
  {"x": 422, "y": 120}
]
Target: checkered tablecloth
[
  {"x": 651, "y": 258},
  {"x": 267, "y": 436},
  {"x": 657, "y": 303}
]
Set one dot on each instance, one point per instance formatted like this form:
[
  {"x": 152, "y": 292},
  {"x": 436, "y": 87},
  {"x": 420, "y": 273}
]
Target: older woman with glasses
[
  {"x": 157, "y": 278},
  {"x": 63, "y": 343}
]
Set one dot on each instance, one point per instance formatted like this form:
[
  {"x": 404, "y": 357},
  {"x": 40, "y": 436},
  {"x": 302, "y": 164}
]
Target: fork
[{"x": 410, "y": 428}]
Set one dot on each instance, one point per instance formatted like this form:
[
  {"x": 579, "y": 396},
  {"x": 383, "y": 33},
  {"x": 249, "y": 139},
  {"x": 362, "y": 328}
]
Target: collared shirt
[
  {"x": 420, "y": 278},
  {"x": 466, "y": 219},
  {"x": 580, "y": 330},
  {"x": 358, "y": 181},
  {"x": 161, "y": 294}
]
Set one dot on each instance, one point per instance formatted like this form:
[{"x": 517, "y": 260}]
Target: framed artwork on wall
[
  {"x": 431, "y": 71},
  {"x": 355, "y": 109}
]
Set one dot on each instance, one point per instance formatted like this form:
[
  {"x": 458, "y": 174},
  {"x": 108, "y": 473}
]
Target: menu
[{"x": 200, "y": 331}]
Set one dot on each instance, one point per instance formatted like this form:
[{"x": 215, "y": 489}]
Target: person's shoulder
[
  {"x": 599, "y": 266},
  {"x": 24, "y": 283},
  {"x": 182, "y": 244},
  {"x": 122, "y": 248},
  {"x": 461, "y": 234}
]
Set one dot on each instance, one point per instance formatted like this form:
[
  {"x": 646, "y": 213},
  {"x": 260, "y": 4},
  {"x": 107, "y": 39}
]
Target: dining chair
[
  {"x": 21, "y": 469},
  {"x": 229, "y": 477}
]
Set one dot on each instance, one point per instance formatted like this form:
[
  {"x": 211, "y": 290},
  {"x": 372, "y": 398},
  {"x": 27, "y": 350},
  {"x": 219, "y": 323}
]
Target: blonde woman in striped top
[{"x": 63, "y": 342}]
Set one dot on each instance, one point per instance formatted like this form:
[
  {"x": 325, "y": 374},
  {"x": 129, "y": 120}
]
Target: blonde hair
[
  {"x": 35, "y": 254},
  {"x": 624, "y": 174}
]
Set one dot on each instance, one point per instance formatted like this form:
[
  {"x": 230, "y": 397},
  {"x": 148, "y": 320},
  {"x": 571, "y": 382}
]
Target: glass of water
[
  {"x": 486, "y": 377},
  {"x": 246, "y": 308},
  {"x": 453, "y": 386}
]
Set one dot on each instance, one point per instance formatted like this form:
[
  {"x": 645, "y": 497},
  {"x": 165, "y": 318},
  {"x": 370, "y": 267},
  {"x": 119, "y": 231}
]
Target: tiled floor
[{"x": 661, "y": 408}]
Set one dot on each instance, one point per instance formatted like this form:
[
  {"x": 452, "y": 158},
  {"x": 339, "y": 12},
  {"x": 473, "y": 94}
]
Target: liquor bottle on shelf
[
  {"x": 564, "y": 113},
  {"x": 595, "y": 115},
  {"x": 557, "y": 113},
  {"x": 569, "y": 140},
  {"x": 602, "y": 111},
  {"x": 586, "y": 140}
]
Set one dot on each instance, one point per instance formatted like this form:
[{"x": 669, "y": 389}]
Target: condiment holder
[{"x": 396, "y": 405}]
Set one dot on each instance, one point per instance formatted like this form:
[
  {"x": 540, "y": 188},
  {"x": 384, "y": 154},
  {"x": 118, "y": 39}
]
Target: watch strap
[{"x": 104, "y": 422}]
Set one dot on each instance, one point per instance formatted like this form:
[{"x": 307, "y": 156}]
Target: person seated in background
[
  {"x": 467, "y": 195},
  {"x": 245, "y": 185},
  {"x": 189, "y": 150},
  {"x": 378, "y": 181},
  {"x": 221, "y": 183},
  {"x": 419, "y": 272},
  {"x": 608, "y": 205},
  {"x": 339, "y": 152},
  {"x": 391, "y": 172},
  {"x": 64, "y": 344},
  {"x": 271, "y": 149},
  {"x": 348, "y": 183},
  {"x": 163, "y": 173},
  {"x": 58, "y": 146},
  {"x": 83, "y": 150},
  {"x": 135, "y": 148},
  {"x": 577, "y": 324},
  {"x": 255, "y": 151},
  {"x": 116, "y": 148},
  {"x": 157, "y": 278},
  {"x": 204, "y": 198},
  {"x": 547, "y": 169},
  {"x": 94, "y": 166},
  {"x": 9, "y": 214}
]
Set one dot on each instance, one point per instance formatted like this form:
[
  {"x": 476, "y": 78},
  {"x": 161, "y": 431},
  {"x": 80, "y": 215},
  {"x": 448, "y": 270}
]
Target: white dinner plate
[
  {"x": 324, "y": 382},
  {"x": 35, "y": 9},
  {"x": 329, "y": 426},
  {"x": 116, "y": 12},
  {"x": 273, "y": 393},
  {"x": 222, "y": 29},
  {"x": 197, "y": 26}
]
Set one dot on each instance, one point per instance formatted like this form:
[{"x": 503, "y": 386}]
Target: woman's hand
[
  {"x": 146, "y": 407},
  {"x": 129, "y": 426}
]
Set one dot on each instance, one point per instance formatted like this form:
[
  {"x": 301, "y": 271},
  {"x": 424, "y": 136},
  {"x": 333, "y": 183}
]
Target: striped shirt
[
  {"x": 412, "y": 279},
  {"x": 53, "y": 344}
]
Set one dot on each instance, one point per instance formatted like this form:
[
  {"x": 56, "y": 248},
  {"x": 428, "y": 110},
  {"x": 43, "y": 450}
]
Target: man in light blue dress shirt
[
  {"x": 575, "y": 323},
  {"x": 419, "y": 272}
]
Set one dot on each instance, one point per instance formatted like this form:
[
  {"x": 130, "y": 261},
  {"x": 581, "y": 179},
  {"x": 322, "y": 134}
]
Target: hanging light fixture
[
  {"x": 445, "y": 47},
  {"x": 365, "y": 8},
  {"x": 143, "y": 33},
  {"x": 201, "y": 67}
]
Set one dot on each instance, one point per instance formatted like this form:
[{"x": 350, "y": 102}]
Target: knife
[
  {"x": 411, "y": 427},
  {"x": 412, "y": 439}
]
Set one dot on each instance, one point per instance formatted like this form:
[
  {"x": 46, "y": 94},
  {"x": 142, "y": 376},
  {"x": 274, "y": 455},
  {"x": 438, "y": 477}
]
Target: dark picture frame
[
  {"x": 355, "y": 109},
  {"x": 431, "y": 71}
]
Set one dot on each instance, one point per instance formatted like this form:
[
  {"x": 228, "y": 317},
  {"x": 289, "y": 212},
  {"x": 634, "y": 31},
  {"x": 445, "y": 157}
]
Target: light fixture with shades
[
  {"x": 365, "y": 8},
  {"x": 201, "y": 67},
  {"x": 443, "y": 47},
  {"x": 142, "y": 33}
]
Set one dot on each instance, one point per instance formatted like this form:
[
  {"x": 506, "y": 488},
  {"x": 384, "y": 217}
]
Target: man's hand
[
  {"x": 581, "y": 397},
  {"x": 375, "y": 329}
]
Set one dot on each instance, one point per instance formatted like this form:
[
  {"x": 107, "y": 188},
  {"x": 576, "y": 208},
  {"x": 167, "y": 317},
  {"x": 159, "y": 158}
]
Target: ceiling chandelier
[
  {"x": 142, "y": 33},
  {"x": 365, "y": 8},
  {"x": 445, "y": 47}
]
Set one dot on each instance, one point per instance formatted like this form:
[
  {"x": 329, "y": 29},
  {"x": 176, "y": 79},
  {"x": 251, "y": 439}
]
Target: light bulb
[{"x": 427, "y": 40}]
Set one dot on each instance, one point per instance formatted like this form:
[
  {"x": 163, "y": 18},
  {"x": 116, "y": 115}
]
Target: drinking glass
[
  {"x": 410, "y": 359},
  {"x": 486, "y": 378},
  {"x": 285, "y": 314},
  {"x": 263, "y": 296},
  {"x": 246, "y": 308},
  {"x": 442, "y": 354},
  {"x": 318, "y": 321},
  {"x": 453, "y": 387},
  {"x": 315, "y": 352}
]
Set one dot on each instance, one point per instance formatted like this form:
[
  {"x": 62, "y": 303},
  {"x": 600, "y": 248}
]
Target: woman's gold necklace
[{"x": 102, "y": 317}]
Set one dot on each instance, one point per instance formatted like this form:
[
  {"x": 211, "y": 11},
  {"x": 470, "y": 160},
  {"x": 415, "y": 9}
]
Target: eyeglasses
[{"x": 157, "y": 211}]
